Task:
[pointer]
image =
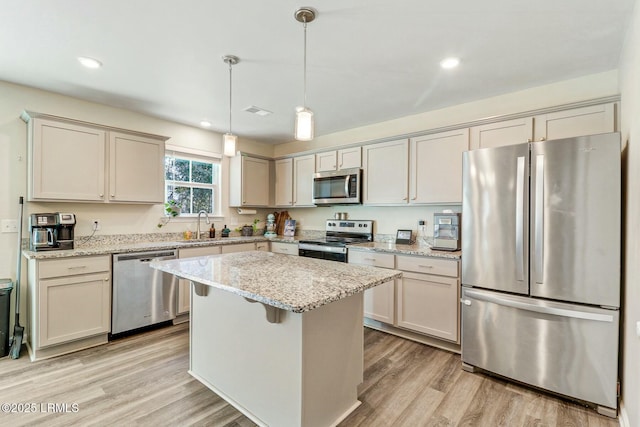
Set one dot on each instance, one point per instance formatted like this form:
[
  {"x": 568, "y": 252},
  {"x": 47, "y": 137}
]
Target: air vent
[{"x": 257, "y": 110}]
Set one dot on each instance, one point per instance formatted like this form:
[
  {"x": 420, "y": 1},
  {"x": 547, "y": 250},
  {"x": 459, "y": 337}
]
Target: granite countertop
[
  {"x": 390, "y": 247},
  {"x": 137, "y": 243},
  {"x": 296, "y": 284}
]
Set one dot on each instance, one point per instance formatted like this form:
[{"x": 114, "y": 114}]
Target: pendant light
[
  {"x": 304, "y": 124},
  {"x": 229, "y": 138}
]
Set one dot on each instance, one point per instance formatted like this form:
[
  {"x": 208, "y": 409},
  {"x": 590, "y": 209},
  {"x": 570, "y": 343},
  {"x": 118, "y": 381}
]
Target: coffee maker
[{"x": 51, "y": 231}]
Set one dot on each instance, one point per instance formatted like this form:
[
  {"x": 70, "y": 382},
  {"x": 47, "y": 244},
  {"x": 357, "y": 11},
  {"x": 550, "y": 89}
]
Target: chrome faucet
[{"x": 206, "y": 217}]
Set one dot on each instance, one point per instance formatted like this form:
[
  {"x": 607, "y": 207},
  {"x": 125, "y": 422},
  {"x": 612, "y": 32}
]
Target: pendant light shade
[
  {"x": 229, "y": 144},
  {"x": 304, "y": 124},
  {"x": 229, "y": 138}
]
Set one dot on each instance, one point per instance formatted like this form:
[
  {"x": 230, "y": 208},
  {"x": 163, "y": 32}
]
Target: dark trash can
[{"x": 5, "y": 306}]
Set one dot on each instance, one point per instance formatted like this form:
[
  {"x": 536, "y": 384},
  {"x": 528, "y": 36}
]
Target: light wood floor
[{"x": 143, "y": 380}]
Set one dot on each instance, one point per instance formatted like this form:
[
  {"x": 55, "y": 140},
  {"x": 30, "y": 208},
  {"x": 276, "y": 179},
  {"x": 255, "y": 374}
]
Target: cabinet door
[
  {"x": 379, "y": 302},
  {"x": 326, "y": 161},
  {"x": 386, "y": 173},
  {"x": 74, "y": 307},
  {"x": 428, "y": 304},
  {"x": 436, "y": 167},
  {"x": 255, "y": 181},
  {"x": 284, "y": 182},
  {"x": 350, "y": 158},
  {"x": 67, "y": 162},
  {"x": 303, "y": 170},
  {"x": 575, "y": 122},
  {"x": 508, "y": 132},
  {"x": 262, "y": 246},
  {"x": 136, "y": 168}
]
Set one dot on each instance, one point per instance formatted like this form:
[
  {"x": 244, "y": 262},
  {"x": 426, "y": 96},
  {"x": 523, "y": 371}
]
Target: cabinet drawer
[
  {"x": 240, "y": 247},
  {"x": 427, "y": 265},
  {"x": 262, "y": 246},
  {"x": 371, "y": 258},
  {"x": 73, "y": 266},
  {"x": 284, "y": 248},
  {"x": 199, "y": 251}
]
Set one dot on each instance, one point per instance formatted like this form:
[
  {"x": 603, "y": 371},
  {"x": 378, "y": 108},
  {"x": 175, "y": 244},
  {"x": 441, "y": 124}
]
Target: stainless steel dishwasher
[{"x": 142, "y": 295}]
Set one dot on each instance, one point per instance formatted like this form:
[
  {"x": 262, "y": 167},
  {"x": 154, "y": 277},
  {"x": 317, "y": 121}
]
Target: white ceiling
[{"x": 368, "y": 60}]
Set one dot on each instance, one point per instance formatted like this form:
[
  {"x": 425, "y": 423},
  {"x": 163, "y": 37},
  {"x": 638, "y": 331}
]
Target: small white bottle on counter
[{"x": 421, "y": 236}]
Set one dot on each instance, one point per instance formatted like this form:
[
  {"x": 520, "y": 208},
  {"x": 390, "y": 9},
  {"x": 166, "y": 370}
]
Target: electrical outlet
[
  {"x": 95, "y": 225},
  {"x": 9, "y": 226}
]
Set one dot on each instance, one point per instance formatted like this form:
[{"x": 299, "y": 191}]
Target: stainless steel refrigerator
[{"x": 541, "y": 265}]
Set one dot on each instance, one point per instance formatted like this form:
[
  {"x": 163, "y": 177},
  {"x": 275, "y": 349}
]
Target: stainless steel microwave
[{"x": 337, "y": 187}]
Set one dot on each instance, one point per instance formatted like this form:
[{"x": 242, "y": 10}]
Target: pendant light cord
[
  {"x": 305, "y": 63},
  {"x": 230, "y": 81}
]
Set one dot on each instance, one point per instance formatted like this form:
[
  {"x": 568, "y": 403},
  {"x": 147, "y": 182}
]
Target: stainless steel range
[{"x": 338, "y": 234}]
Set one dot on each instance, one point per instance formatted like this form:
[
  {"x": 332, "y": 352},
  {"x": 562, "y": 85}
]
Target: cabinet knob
[
  {"x": 102, "y": 196},
  {"x": 405, "y": 198},
  {"x": 113, "y": 195},
  {"x": 415, "y": 197},
  {"x": 528, "y": 139},
  {"x": 542, "y": 138},
  {"x": 106, "y": 279}
]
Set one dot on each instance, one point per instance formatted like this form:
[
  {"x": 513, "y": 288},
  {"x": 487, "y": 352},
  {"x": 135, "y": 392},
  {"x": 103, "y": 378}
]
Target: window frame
[{"x": 184, "y": 153}]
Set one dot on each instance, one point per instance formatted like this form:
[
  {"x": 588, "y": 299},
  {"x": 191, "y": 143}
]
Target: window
[{"x": 193, "y": 182}]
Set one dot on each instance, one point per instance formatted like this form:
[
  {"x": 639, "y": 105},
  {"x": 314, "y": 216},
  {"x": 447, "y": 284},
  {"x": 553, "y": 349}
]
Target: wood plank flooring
[{"x": 143, "y": 381}]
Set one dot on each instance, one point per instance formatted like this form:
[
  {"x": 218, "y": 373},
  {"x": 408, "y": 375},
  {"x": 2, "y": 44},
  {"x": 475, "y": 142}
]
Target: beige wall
[{"x": 630, "y": 93}]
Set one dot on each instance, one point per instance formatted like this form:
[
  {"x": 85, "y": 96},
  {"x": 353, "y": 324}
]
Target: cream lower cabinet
[
  {"x": 428, "y": 303},
  {"x": 69, "y": 304},
  {"x": 379, "y": 301}
]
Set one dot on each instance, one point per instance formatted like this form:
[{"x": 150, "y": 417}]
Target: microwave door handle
[
  {"x": 346, "y": 186},
  {"x": 520, "y": 183},
  {"x": 539, "y": 219}
]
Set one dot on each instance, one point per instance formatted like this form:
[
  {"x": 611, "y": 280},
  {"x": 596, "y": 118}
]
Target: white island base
[{"x": 302, "y": 371}]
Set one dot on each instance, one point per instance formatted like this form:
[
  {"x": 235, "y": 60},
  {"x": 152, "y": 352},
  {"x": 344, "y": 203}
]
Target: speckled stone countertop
[
  {"x": 390, "y": 247},
  {"x": 296, "y": 284},
  {"x": 115, "y": 244}
]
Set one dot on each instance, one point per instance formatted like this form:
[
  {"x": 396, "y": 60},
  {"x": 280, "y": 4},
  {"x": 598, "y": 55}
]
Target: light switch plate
[
  {"x": 638, "y": 329},
  {"x": 9, "y": 226}
]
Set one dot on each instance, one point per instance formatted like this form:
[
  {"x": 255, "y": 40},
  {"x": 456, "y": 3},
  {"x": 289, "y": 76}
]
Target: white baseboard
[{"x": 623, "y": 418}]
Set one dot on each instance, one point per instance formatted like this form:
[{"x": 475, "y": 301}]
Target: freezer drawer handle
[
  {"x": 555, "y": 311},
  {"x": 465, "y": 301}
]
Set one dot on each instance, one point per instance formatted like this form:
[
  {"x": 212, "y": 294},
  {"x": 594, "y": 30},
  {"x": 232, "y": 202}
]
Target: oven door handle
[{"x": 322, "y": 248}]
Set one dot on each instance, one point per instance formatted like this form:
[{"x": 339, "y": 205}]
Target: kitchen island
[{"x": 278, "y": 337}]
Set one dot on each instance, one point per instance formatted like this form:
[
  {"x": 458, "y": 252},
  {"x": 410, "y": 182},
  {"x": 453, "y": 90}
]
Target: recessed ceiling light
[
  {"x": 449, "y": 63},
  {"x": 89, "y": 62},
  {"x": 205, "y": 124}
]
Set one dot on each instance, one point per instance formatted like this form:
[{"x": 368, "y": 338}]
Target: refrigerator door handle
[
  {"x": 539, "y": 220},
  {"x": 554, "y": 311},
  {"x": 520, "y": 219}
]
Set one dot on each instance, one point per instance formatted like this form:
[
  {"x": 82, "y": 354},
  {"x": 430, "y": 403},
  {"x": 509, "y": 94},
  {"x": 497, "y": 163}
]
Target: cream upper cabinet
[
  {"x": 498, "y": 134},
  {"x": 345, "y": 158},
  {"x": 284, "y": 182},
  {"x": 386, "y": 173},
  {"x": 248, "y": 181},
  {"x": 575, "y": 122},
  {"x": 326, "y": 161},
  {"x": 436, "y": 167},
  {"x": 136, "y": 169},
  {"x": 66, "y": 161},
  {"x": 303, "y": 170},
  {"x": 77, "y": 161}
]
